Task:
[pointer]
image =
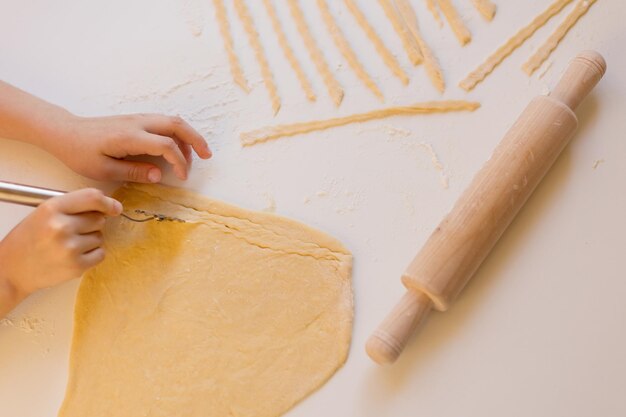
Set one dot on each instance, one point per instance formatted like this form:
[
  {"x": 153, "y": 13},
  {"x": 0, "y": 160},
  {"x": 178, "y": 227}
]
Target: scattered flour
[
  {"x": 271, "y": 203},
  {"x": 25, "y": 324},
  {"x": 194, "y": 13}
]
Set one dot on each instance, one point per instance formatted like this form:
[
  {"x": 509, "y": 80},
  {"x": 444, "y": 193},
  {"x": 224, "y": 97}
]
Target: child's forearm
[{"x": 27, "y": 118}]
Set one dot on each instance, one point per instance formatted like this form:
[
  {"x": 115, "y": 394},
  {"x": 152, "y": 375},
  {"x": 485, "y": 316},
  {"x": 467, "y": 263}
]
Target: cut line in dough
[
  {"x": 233, "y": 60},
  {"x": 432, "y": 8},
  {"x": 255, "y": 43},
  {"x": 334, "y": 89},
  {"x": 455, "y": 21},
  {"x": 346, "y": 50},
  {"x": 231, "y": 313},
  {"x": 408, "y": 43},
  {"x": 433, "y": 70},
  {"x": 486, "y": 8},
  {"x": 274, "y": 132},
  {"x": 544, "y": 51},
  {"x": 288, "y": 52},
  {"x": 510, "y": 45},
  {"x": 383, "y": 51}
]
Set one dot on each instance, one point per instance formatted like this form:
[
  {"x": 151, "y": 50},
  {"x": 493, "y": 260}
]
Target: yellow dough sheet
[{"x": 232, "y": 313}]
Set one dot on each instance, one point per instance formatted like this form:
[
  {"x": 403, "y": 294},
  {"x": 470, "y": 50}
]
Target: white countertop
[{"x": 541, "y": 329}]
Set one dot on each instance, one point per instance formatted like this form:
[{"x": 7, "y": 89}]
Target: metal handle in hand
[
  {"x": 28, "y": 195},
  {"x": 25, "y": 194}
]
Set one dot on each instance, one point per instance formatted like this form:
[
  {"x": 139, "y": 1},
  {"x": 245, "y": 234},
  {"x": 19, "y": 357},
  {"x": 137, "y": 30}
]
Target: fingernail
[
  {"x": 154, "y": 175},
  {"x": 118, "y": 206}
]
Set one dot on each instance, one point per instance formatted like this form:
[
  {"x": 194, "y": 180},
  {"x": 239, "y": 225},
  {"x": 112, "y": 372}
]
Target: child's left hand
[{"x": 96, "y": 146}]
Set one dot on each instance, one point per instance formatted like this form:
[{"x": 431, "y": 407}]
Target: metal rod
[{"x": 25, "y": 194}]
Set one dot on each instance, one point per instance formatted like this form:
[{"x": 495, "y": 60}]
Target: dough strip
[
  {"x": 289, "y": 54},
  {"x": 233, "y": 60},
  {"x": 408, "y": 43},
  {"x": 433, "y": 70},
  {"x": 535, "y": 61},
  {"x": 334, "y": 89},
  {"x": 432, "y": 8},
  {"x": 510, "y": 45},
  {"x": 486, "y": 8},
  {"x": 455, "y": 21},
  {"x": 346, "y": 50},
  {"x": 383, "y": 51},
  {"x": 255, "y": 43},
  {"x": 273, "y": 132}
]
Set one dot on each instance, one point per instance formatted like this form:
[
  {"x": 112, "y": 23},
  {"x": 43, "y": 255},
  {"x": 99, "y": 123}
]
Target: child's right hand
[{"x": 59, "y": 241}]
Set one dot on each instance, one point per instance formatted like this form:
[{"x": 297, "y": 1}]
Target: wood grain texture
[
  {"x": 233, "y": 60},
  {"x": 346, "y": 50},
  {"x": 334, "y": 89},
  {"x": 259, "y": 53},
  {"x": 484, "y": 69},
  {"x": 288, "y": 52},
  {"x": 464, "y": 238},
  {"x": 390, "y": 61}
]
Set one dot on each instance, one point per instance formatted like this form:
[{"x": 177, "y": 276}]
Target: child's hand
[
  {"x": 95, "y": 146},
  {"x": 57, "y": 242}
]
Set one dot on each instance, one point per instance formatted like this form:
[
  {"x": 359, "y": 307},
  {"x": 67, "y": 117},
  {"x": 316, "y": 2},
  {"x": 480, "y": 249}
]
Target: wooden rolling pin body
[{"x": 464, "y": 238}]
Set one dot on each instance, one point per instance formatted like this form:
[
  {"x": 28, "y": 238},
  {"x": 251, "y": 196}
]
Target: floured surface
[
  {"x": 371, "y": 185},
  {"x": 233, "y": 313}
]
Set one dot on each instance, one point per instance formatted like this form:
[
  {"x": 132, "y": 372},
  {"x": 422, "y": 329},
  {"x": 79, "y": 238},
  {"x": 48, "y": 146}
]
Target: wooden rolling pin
[{"x": 464, "y": 238}]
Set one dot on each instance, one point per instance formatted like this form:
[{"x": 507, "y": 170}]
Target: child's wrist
[{"x": 56, "y": 127}]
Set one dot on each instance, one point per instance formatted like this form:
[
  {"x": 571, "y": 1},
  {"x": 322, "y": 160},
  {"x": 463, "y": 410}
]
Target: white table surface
[{"x": 541, "y": 329}]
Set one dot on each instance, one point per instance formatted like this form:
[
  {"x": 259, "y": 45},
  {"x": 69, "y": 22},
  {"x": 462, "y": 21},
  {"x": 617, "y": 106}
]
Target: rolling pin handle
[
  {"x": 388, "y": 341},
  {"x": 580, "y": 77}
]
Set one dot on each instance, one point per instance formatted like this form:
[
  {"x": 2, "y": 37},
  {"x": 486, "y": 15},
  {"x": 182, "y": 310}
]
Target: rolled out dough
[{"x": 233, "y": 313}]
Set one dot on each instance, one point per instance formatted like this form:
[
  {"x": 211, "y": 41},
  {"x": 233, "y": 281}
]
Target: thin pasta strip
[
  {"x": 334, "y": 89},
  {"x": 235, "y": 66},
  {"x": 346, "y": 50},
  {"x": 430, "y": 62},
  {"x": 510, "y": 45},
  {"x": 289, "y": 54},
  {"x": 408, "y": 43},
  {"x": 274, "y": 132},
  {"x": 535, "y": 61},
  {"x": 432, "y": 8},
  {"x": 486, "y": 8},
  {"x": 370, "y": 32},
  {"x": 255, "y": 43},
  {"x": 455, "y": 22}
]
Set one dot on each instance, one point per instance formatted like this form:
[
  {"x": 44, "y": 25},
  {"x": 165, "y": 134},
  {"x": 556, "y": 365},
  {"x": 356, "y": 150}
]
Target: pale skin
[{"x": 64, "y": 234}]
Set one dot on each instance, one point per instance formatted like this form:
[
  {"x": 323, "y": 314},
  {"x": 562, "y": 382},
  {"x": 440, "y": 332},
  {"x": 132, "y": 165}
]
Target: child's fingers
[
  {"x": 156, "y": 145},
  {"x": 92, "y": 258},
  {"x": 88, "y": 242},
  {"x": 121, "y": 170},
  {"x": 86, "y": 200},
  {"x": 185, "y": 148},
  {"x": 175, "y": 126},
  {"x": 88, "y": 222}
]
